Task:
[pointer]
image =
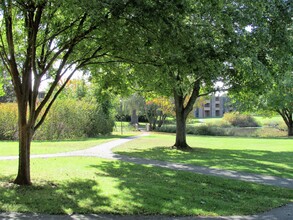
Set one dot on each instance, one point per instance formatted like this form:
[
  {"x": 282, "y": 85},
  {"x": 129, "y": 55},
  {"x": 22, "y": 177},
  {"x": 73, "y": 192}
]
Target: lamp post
[{"x": 121, "y": 116}]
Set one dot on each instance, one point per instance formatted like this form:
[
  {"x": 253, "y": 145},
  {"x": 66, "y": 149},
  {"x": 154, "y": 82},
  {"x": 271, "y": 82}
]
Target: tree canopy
[
  {"x": 50, "y": 39},
  {"x": 196, "y": 46},
  {"x": 267, "y": 77}
]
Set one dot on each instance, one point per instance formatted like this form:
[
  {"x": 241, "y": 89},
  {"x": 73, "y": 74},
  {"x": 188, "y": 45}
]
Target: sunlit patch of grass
[
  {"x": 91, "y": 185},
  {"x": 10, "y": 148},
  {"x": 255, "y": 155}
]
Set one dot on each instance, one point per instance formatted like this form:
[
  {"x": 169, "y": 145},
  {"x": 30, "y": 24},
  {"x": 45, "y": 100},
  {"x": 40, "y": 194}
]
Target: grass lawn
[
  {"x": 254, "y": 155},
  {"x": 91, "y": 185},
  {"x": 10, "y": 148},
  {"x": 269, "y": 120}
]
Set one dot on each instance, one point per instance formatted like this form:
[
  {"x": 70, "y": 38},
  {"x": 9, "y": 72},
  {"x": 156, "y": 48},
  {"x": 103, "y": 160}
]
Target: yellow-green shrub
[
  {"x": 240, "y": 120},
  {"x": 8, "y": 121}
]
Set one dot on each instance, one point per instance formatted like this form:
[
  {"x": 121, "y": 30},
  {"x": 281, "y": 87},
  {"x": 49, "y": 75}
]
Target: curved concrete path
[{"x": 105, "y": 151}]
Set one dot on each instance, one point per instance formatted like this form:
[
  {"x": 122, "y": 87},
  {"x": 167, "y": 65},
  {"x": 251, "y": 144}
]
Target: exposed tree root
[{"x": 182, "y": 148}]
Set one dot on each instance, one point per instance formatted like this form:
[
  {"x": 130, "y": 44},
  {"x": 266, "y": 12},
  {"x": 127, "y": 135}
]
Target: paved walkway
[
  {"x": 282, "y": 213},
  {"x": 105, "y": 151}
]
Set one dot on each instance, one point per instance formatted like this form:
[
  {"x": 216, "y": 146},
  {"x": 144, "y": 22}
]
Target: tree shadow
[
  {"x": 52, "y": 198},
  {"x": 250, "y": 161},
  {"x": 124, "y": 188},
  {"x": 154, "y": 190}
]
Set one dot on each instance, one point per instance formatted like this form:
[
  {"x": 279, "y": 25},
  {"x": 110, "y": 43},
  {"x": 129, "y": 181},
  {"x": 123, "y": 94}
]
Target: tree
[
  {"x": 50, "y": 39},
  {"x": 193, "y": 49},
  {"x": 267, "y": 83},
  {"x": 157, "y": 110}
]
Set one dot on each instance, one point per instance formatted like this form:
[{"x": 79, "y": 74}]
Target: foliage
[
  {"x": 240, "y": 120},
  {"x": 1, "y": 88},
  {"x": 6, "y": 88},
  {"x": 205, "y": 40},
  {"x": 157, "y": 110},
  {"x": 267, "y": 82},
  {"x": 225, "y": 129},
  {"x": 198, "y": 130},
  {"x": 68, "y": 119},
  {"x": 52, "y": 40},
  {"x": 8, "y": 121}
]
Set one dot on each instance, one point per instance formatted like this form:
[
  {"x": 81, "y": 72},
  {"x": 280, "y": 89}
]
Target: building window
[
  {"x": 218, "y": 113},
  {"x": 207, "y": 113}
]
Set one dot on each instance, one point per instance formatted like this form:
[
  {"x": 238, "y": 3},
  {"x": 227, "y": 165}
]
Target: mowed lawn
[
  {"x": 10, "y": 148},
  {"x": 254, "y": 155},
  {"x": 93, "y": 185}
]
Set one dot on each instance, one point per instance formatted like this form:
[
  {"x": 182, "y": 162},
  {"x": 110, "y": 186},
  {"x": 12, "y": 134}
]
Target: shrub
[
  {"x": 67, "y": 119},
  {"x": 196, "y": 130},
  {"x": 8, "y": 121},
  {"x": 99, "y": 123},
  {"x": 70, "y": 118},
  {"x": 240, "y": 120}
]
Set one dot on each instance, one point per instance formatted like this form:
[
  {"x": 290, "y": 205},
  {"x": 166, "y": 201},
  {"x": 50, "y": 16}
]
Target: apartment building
[{"x": 215, "y": 106}]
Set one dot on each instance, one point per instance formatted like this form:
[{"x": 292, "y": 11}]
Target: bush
[
  {"x": 196, "y": 130},
  {"x": 68, "y": 118},
  {"x": 99, "y": 123},
  {"x": 8, "y": 121},
  {"x": 239, "y": 120}
]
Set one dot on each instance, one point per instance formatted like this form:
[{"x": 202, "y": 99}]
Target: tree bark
[
  {"x": 287, "y": 116},
  {"x": 134, "y": 117},
  {"x": 183, "y": 107},
  {"x": 25, "y": 137},
  {"x": 290, "y": 129},
  {"x": 180, "y": 142}
]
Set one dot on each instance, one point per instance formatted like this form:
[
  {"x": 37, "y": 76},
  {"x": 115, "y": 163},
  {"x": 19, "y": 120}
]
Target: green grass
[
  {"x": 211, "y": 120},
  {"x": 254, "y": 155},
  {"x": 269, "y": 120},
  {"x": 91, "y": 185},
  {"x": 10, "y": 148}
]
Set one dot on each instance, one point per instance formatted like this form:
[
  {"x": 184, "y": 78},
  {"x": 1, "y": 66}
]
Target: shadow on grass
[
  {"x": 68, "y": 197},
  {"x": 250, "y": 161},
  {"x": 162, "y": 191},
  {"x": 125, "y": 188}
]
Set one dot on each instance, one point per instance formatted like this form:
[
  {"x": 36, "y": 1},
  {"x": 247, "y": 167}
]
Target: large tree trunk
[
  {"x": 25, "y": 137},
  {"x": 288, "y": 119},
  {"x": 290, "y": 129},
  {"x": 23, "y": 175},
  {"x": 181, "y": 116},
  {"x": 180, "y": 142},
  {"x": 183, "y": 106}
]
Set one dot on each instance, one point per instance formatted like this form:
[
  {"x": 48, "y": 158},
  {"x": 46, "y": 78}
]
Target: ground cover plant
[
  {"x": 253, "y": 155},
  {"x": 92, "y": 185}
]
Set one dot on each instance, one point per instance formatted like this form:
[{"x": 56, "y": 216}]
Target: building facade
[{"x": 215, "y": 106}]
